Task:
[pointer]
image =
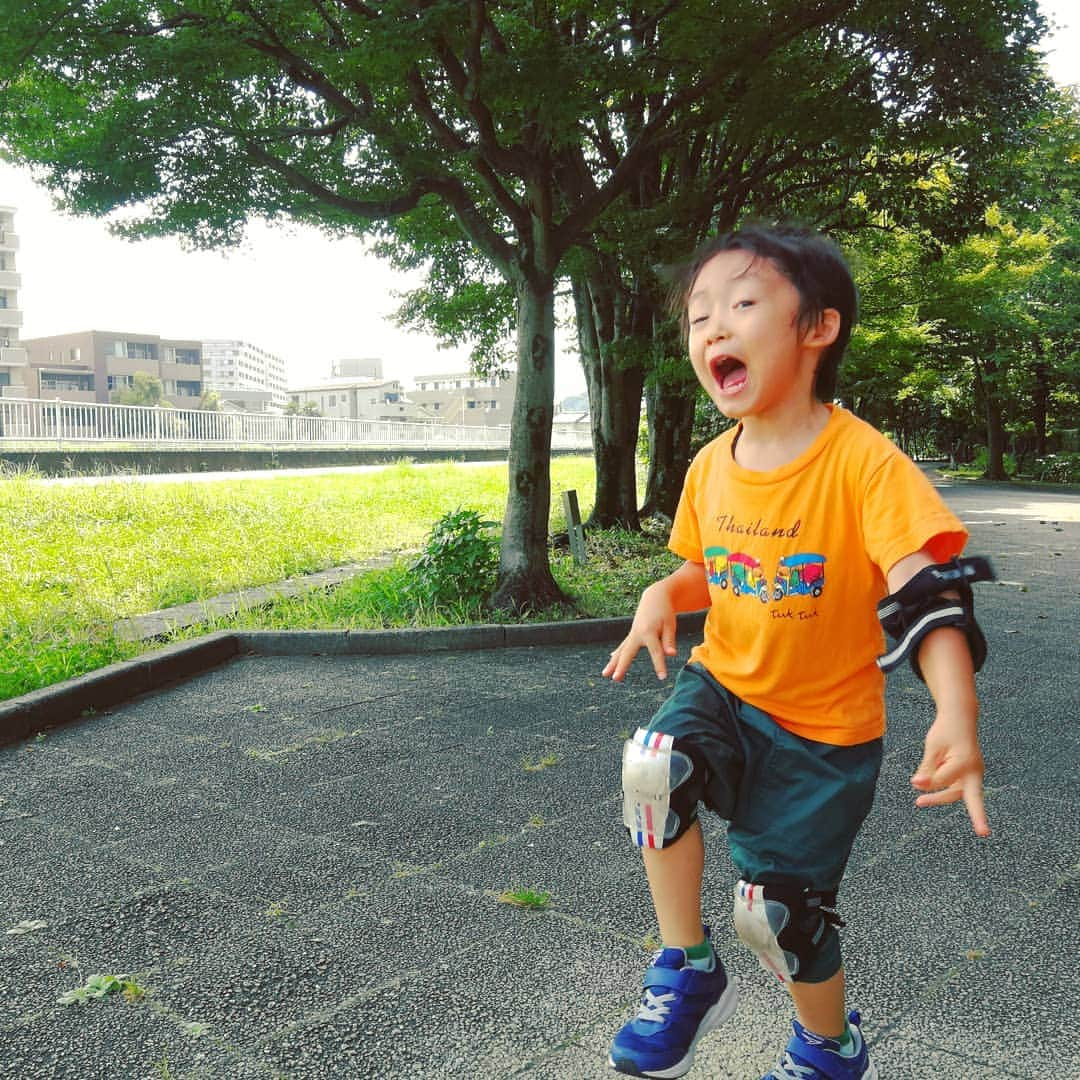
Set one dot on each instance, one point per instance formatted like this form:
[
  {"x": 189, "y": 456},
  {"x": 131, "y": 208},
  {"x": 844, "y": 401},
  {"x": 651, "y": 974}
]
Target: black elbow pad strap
[{"x": 911, "y": 613}]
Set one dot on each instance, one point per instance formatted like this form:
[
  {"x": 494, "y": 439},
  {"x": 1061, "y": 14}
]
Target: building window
[
  {"x": 119, "y": 382},
  {"x": 187, "y": 356},
  {"x": 333, "y": 400},
  {"x": 141, "y": 350},
  {"x": 471, "y": 404},
  {"x": 75, "y": 354}
]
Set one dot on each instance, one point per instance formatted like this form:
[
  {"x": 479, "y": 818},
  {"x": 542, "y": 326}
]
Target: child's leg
[
  {"x": 674, "y": 872},
  {"x": 821, "y": 1005}
]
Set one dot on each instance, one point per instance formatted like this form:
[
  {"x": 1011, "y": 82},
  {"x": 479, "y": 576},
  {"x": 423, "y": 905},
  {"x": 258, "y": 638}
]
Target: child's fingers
[
  {"x": 667, "y": 638},
  {"x": 618, "y": 663},
  {"x": 976, "y": 808},
  {"x": 970, "y": 792},
  {"x": 657, "y": 654},
  {"x": 940, "y": 798}
]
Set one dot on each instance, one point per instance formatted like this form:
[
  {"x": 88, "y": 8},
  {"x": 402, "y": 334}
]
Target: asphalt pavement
[{"x": 304, "y": 856}]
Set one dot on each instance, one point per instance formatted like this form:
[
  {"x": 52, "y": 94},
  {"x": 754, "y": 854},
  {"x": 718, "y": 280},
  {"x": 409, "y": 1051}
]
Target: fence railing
[{"x": 54, "y": 424}]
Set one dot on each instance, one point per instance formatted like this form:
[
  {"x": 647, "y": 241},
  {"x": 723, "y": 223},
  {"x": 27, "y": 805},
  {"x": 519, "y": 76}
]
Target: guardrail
[{"x": 39, "y": 423}]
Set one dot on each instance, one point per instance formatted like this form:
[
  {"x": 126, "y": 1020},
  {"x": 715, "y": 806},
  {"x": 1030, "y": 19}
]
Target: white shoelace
[
  {"x": 654, "y": 1007},
  {"x": 789, "y": 1070}
]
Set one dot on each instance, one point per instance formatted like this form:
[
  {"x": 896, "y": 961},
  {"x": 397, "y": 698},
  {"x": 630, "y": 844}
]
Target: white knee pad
[{"x": 661, "y": 788}]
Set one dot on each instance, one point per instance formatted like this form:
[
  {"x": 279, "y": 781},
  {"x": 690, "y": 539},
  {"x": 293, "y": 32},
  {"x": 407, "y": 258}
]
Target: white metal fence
[{"x": 40, "y": 424}]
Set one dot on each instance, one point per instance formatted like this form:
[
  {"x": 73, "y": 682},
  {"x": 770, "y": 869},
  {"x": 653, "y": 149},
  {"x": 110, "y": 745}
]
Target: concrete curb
[
  {"x": 51, "y": 706},
  {"x": 155, "y": 624}
]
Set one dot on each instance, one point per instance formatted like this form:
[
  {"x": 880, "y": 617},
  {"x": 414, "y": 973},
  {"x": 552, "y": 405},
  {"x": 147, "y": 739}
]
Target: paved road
[{"x": 305, "y": 855}]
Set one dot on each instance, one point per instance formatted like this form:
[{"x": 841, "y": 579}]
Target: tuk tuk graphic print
[
  {"x": 716, "y": 566},
  {"x": 800, "y": 575},
  {"x": 747, "y": 577}
]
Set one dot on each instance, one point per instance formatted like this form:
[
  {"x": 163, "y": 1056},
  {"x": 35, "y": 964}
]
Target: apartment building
[
  {"x": 95, "y": 365},
  {"x": 243, "y": 373},
  {"x": 465, "y": 398},
  {"x": 359, "y": 399},
  {"x": 13, "y": 357}
]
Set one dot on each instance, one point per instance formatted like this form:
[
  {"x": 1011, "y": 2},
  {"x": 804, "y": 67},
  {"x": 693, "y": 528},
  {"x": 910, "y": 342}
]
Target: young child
[{"x": 793, "y": 525}]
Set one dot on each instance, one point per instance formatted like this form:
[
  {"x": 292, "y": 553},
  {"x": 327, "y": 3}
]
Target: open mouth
[{"x": 729, "y": 373}]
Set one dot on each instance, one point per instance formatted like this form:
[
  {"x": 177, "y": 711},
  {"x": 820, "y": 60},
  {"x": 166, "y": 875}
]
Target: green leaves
[
  {"x": 97, "y": 987},
  {"x": 459, "y": 560}
]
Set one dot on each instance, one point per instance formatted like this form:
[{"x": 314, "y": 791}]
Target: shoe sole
[{"x": 717, "y": 1014}]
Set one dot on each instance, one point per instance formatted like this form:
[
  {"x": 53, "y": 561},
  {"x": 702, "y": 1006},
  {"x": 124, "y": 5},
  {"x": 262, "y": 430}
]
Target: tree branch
[
  {"x": 389, "y": 207},
  {"x": 453, "y": 142}
]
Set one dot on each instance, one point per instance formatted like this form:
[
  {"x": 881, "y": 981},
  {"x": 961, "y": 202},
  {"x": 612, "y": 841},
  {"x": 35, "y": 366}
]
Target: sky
[{"x": 294, "y": 292}]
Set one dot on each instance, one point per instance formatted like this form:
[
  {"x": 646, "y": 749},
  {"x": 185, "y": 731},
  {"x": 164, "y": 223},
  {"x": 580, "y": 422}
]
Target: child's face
[{"x": 745, "y": 343}]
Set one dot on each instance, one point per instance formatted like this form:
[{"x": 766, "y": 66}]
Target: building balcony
[
  {"x": 10, "y": 279},
  {"x": 169, "y": 369},
  {"x": 12, "y": 356},
  {"x": 81, "y": 397},
  {"x": 10, "y": 316},
  {"x": 9, "y": 241}
]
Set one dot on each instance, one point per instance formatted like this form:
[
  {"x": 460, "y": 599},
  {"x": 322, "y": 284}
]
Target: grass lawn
[{"x": 73, "y": 560}]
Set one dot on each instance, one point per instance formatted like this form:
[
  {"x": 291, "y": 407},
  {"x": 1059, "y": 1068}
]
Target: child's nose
[{"x": 720, "y": 335}]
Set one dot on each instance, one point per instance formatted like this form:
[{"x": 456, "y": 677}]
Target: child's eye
[
  {"x": 697, "y": 320},
  {"x": 744, "y": 303}
]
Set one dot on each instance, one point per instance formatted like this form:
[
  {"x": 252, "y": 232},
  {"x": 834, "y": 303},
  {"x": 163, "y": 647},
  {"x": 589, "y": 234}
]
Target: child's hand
[
  {"x": 653, "y": 629},
  {"x": 952, "y": 769}
]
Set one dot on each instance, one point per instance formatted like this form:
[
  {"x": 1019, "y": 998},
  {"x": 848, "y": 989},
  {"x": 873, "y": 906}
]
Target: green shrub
[{"x": 459, "y": 561}]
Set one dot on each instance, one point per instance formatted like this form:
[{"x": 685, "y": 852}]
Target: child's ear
[{"x": 826, "y": 331}]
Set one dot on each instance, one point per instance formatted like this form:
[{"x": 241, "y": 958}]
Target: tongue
[{"x": 734, "y": 379}]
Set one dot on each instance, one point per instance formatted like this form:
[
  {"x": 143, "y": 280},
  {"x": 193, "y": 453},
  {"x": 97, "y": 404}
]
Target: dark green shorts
[{"x": 794, "y": 805}]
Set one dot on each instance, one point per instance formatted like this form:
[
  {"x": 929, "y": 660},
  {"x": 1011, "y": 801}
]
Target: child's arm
[
  {"x": 686, "y": 589},
  {"x": 952, "y": 764}
]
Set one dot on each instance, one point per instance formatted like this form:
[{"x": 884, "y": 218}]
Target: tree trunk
[
  {"x": 671, "y": 423},
  {"x": 1040, "y": 397},
  {"x": 615, "y": 411},
  {"x": 995, "y": 423},
  {"x": 995, "y": 438},
  {"x": 525, "y": 579}
]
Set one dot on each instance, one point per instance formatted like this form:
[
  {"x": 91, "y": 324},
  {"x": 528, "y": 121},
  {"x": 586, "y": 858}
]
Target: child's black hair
[{"x": 811, "y": 262}]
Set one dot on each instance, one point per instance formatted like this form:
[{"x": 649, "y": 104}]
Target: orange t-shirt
[{"x": 796, "y": 560}]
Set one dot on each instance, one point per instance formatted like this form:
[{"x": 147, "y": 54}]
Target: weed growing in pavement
[
  {"x": 97, "y": 987},
  {"x": 546, "y": 762},
  {"x": 530, "y": 899}
]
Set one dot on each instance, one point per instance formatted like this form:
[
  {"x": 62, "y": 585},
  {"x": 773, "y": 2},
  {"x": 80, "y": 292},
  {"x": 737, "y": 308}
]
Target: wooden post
[{"x": 574, "y": 527}]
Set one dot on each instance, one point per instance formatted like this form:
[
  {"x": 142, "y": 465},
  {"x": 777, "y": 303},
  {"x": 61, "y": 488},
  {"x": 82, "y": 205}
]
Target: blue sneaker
[
  {"x": 679, "y": 1005},
  {"x": 812, "y": 1057}
]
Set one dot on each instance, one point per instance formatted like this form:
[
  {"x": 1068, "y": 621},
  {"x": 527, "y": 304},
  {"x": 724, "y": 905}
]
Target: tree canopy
[{"x": 525, "y": 129}]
